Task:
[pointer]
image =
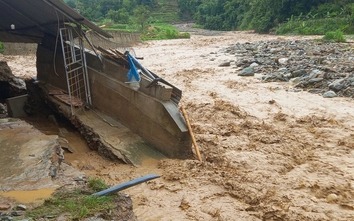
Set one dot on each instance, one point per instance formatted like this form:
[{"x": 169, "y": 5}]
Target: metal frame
[{"x": 75, "y": 67}]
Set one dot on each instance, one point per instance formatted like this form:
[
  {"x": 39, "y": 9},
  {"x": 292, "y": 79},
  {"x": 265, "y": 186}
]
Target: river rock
[
  {"x": 336, "y": 85},
  {"x": 254, "y": 64},
  {"x": 329, "y": 94},
  {"x": 5, "y": 206},
  {"x": 17, "y": 213},
  {"x": 315, "y": 73},
  {"x": 283, "y": 70},
  {"x": 225, "y": 64},
  {"x": 249, "y": 71},
  {"x": 299, "y": 73},
  {"x": 283, "y": 61},
  {"x": 314, "y": 80},
  {"x": 295, "y": 81},
  {"x": 21, "y": 207}
]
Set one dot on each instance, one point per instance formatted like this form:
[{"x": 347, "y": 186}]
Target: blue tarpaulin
[{"x": 133, "y": 75}]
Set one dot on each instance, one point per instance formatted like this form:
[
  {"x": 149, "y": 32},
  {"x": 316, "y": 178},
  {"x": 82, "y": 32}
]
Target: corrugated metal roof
[{"x": 35, "y": 18}]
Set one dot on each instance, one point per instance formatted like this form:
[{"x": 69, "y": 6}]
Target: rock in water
[{"x": 225, "y": 64}]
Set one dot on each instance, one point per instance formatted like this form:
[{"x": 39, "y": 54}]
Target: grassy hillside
[{"x": 166, "y": 11}]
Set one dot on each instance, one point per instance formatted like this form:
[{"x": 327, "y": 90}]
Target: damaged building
[{"x": 123, "y": 110}]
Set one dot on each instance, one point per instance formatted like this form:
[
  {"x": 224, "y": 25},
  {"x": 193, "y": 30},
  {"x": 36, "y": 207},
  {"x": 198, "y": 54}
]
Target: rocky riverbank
[{"x": 319, "y": 67}]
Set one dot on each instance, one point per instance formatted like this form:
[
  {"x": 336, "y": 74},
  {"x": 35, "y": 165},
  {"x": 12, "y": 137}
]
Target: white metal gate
[{"x": 75, "y": 68}]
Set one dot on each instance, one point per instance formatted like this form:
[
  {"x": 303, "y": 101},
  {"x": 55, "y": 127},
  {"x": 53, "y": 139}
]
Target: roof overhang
[{"x": 29, "y": 21}]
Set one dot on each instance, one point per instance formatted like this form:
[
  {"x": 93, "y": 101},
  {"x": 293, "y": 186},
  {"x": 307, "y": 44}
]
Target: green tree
[
  {"x": 107, "y": 5},
  {"x": 149, "y": 3},
  {"x": 141, "y": 15},
  {"x": 188, "y": 8},
  {"x": 90, "y": 9},
  {"x": 210, "y": 14},
  {"x": 119, "y": 16},
  {"x": 236, "y": 14}
]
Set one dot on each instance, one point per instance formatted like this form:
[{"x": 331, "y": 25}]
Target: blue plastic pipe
[{"x": 126, "y": 185}]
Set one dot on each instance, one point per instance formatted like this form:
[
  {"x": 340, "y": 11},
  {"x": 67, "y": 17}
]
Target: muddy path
[{"x": 269, "y": 152}]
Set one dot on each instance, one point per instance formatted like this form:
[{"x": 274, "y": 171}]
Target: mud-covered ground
[{"x": 269, "y": 152}]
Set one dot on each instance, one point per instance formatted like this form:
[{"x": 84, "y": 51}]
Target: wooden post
[{"x": 191, "y": 133}]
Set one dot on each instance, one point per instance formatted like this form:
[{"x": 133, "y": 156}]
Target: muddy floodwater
[{"x": 269, "y": 152}]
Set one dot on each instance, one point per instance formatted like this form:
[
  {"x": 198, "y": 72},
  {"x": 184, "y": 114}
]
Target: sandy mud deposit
[{"x": 270, "y": 152}]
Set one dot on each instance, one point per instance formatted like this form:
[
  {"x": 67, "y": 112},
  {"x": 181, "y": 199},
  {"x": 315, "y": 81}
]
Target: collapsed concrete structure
[{"x": 90, "y": 87}]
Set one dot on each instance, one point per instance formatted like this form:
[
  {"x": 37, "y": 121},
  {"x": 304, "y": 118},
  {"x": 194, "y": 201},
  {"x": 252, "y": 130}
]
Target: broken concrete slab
[
  {"x": 66, "y": 145},
  {"x": 121, "y": 141},
  {"x": 27, "y": 156},
  {"x": 15, "y": 106}
]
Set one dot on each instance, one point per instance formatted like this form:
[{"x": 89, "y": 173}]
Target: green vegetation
[
  {"x": 1, "y": 47},
  {"x": 282, "y": 16},
  {"x": 97, "y": 184},
  {"x": 162, "y": 31},
  {"x": 314, "y": 26},
  {"x": 325, "y": 18},
  {"x": 149, "y": 17},
  {"x": 279, "y": 16},
  {"x": 141, "y": 16},
  {"x": 166, "y": 11},
  {"x": 122, "y": 11},
  {"x": 75, "y": 203},
  {"x": 334, "y": 36}
]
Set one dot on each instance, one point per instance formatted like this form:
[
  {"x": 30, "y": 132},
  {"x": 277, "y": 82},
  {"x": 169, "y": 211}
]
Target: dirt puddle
[{"x": 29, "y": 196}]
